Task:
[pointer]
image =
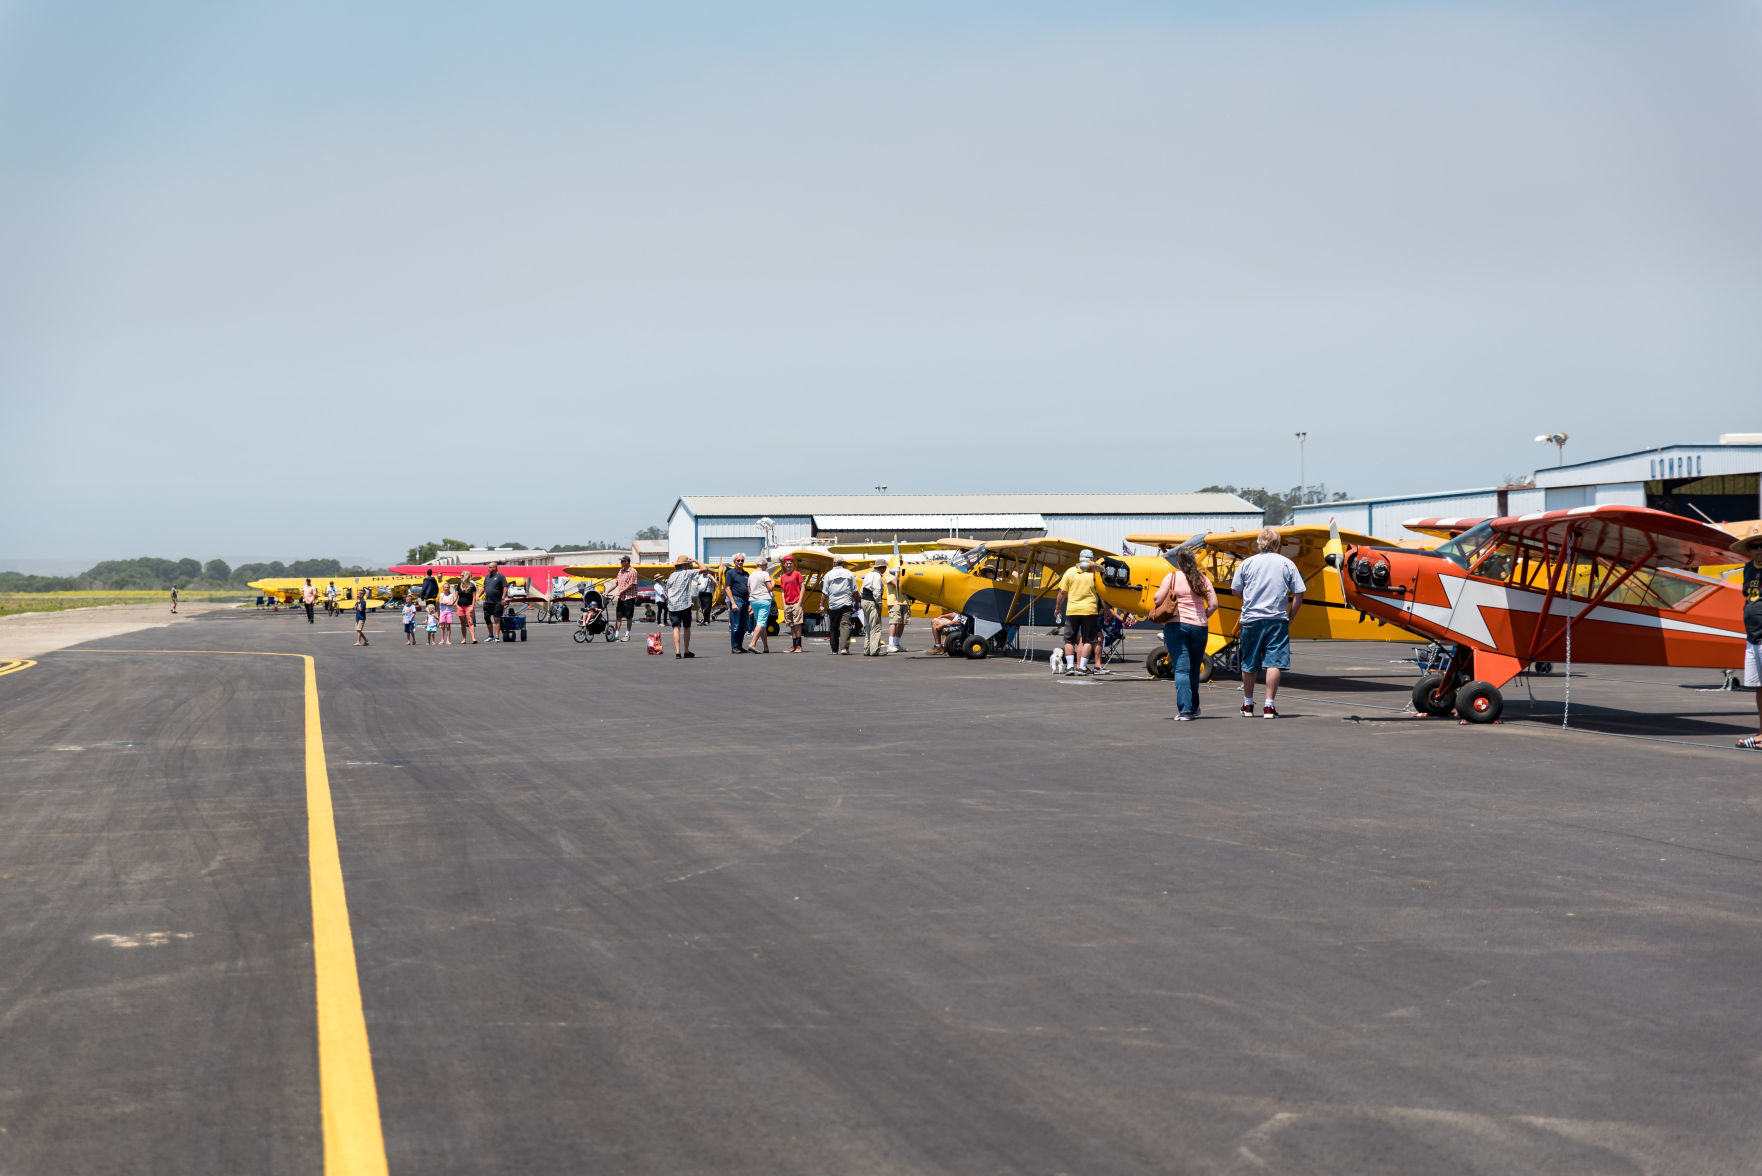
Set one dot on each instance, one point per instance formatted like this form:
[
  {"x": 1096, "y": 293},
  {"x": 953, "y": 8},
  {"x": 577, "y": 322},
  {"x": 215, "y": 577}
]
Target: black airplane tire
[
  {"x": 1543, "y": 668},
  {"x": 772, "y": 628},
  {"x": 1159, "y": 664},
  {"x": 1427, "y": 700},
  {"x": 1478, "y": 702},
  {"x": 976, "y": 647},
  {"x": 1205, "y": 668},
  {"x": 954, "y": 645}
]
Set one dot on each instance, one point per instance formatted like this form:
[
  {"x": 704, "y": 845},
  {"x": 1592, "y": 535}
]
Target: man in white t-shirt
[
  {"x": 1271, "y": 591},
  {"x": 839, "y": 588}
]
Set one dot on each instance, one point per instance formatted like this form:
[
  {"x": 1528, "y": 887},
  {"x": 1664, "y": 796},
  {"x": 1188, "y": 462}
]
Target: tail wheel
[
  {"x": 1159, "y": 665},
  {"x": 1478, "y": 702},
  {"x": 1205, "y": 668},
  {"x": 976, "y": 647},
  {"x": 1430, "y": 699},
  {"x": 1542, "y": 668}
]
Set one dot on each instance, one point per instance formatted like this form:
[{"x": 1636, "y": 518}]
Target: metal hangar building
[
  {"x": 1721, "y": 483},
  {"x": 715, "y": 526}
]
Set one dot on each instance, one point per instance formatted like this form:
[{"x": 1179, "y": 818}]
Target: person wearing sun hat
[
  {"x": 676, "y": 593},
  {"x": 1749, "y": 545}
]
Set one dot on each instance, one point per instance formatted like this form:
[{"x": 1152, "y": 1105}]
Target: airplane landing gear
[
  {"x": 1158, "y": 664},
  {"x": 1478, "y": 702},
  {"x": 1431, "y": 698}
]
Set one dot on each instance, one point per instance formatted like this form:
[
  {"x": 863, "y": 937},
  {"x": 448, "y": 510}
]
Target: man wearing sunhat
[
  {"x": 874, "y": 594},
  {"x": 1751, "y": 546},
  {"x": 679, "y": 589}
]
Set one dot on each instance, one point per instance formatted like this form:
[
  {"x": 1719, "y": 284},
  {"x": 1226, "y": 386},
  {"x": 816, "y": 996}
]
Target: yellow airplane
[
  {"x": 1324, "y": 614},
  {"x": 1002, "y": 585},
  {"x": 379, "y": 590}
]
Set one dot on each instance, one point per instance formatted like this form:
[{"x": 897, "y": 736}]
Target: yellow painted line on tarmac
[
  {"x": 14, "y": 666},
  {"x": 354, "y": 1144}
]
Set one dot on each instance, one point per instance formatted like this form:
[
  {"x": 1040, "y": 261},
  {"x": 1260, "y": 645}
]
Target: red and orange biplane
[{"x": 1592, "y": 584}]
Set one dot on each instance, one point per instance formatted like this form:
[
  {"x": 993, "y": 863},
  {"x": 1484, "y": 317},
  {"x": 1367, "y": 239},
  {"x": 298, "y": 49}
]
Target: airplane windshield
[{"x": 1462, "y": 549}]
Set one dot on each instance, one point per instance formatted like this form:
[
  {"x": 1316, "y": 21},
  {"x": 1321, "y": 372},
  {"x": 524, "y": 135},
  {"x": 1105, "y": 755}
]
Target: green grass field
[{"x": 12, "y": 603}]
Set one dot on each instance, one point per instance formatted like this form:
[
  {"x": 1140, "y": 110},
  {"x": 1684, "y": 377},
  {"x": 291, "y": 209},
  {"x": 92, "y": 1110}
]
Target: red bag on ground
[{"x": 654, "y": 643}]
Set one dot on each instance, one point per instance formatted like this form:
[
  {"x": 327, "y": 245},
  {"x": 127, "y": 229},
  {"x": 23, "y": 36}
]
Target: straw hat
[
  {"x": 1753, "y": 535},
  {"x": 680, "y": 561}
]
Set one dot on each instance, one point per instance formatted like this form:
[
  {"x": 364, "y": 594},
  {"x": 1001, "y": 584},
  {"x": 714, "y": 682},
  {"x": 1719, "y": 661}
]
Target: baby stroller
[{"x": 593, "y": 617}]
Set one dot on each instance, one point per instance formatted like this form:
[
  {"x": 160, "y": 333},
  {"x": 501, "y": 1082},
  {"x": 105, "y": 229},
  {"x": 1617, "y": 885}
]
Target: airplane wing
[
  {"x": 1623, "y": 535},
  {"x": 1153, "y": 539},
  {"x": 1439, "y": 528},
  {"x": 1298, "y": 542}
]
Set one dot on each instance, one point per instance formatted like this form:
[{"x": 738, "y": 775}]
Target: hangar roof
[{"x": 703, "y": 505}]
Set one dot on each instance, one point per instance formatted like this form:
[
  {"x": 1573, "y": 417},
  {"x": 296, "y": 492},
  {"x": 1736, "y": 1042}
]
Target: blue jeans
[
  {"x": 1186, "y": 645},
  {"x": 739, "y": 622}
]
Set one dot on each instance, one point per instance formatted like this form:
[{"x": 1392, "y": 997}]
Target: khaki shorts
[
  {"x": 899, "y": 614},
  {"x": 793, "y": 615},
  {"x": 360, "y": 624}
]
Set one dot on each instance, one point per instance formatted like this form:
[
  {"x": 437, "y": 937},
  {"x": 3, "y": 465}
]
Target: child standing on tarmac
[
  {"x": 409, "y": 621},
  {"x": 433, "y": 623},
  {"x": 448, "y": 599}
]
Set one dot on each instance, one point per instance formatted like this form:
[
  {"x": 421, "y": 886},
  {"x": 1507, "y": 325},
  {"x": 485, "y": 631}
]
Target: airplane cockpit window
[
  {"x": 1462, "y": 549},
  {"x": 1115, "y": 574},
  {"x": 1497, "y": 563}
]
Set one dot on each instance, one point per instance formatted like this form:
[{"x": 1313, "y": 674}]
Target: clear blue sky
[{"x": 328, "y": 279}]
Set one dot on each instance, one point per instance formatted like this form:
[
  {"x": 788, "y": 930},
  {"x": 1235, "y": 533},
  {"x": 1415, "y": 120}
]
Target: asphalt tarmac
[{"x": 616, "y": 913}]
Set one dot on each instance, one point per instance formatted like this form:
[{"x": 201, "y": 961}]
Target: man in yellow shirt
[{"x": 1080, "y": 604}]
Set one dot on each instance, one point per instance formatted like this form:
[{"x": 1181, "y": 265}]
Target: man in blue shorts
[{"x": 1271, "y": 590}]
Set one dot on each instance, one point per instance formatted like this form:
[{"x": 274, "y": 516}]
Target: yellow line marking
[
  {"x": 13, "y": 667},
  {"x": 354, "y": 1145}
]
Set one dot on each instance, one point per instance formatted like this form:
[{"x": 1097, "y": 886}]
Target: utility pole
[{"x": 1302, "y": 476}]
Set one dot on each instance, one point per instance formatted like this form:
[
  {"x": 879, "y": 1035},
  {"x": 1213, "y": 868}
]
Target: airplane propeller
[{"x": 1334, "y": 554}]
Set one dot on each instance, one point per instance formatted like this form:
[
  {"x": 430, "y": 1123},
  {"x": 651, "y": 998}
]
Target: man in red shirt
[{"x": 791, "y": 582}]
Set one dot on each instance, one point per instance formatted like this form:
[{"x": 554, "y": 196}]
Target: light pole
[
  {"x": 1558, "y": 440},
  {"x": 1302, "y": 476},
  {"x": 881, "y": 489}
]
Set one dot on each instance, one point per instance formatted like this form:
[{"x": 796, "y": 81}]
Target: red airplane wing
[{"x": 1623, "y": 535}]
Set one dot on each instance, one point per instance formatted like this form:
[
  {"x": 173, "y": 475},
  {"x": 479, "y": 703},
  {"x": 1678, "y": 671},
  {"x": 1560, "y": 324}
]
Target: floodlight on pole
[
  {"x": 881, "y": 489},
  {"x": 1302, "y": 476},
  {"x": 1558, "y": 441}
]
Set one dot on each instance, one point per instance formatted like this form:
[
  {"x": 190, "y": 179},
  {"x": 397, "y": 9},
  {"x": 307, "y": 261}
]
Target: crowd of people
[{"x": 1268, "y": 584}]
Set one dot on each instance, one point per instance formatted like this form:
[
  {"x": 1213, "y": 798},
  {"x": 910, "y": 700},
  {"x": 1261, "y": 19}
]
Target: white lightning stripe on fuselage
[{"x": 1469, "y": 596}]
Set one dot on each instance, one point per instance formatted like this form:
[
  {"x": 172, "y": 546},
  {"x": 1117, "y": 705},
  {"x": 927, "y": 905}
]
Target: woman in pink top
[{"x": 1195, "y": 601}]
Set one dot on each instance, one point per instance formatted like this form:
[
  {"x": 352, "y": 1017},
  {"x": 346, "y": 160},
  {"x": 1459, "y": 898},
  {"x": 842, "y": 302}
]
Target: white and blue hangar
[
  {"x": 715, "y": 526},
  {"x": 1721, "y": 483}
]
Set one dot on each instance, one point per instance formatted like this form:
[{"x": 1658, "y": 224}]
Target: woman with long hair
[
  {"x": 465, "y": 601},
  {"x": 1195, "y": 601}
]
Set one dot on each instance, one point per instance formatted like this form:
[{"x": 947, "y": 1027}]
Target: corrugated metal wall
[{"x": 1108, "y": 532}]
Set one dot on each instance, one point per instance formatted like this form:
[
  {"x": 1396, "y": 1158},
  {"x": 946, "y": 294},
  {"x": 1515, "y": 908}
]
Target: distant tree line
[
  {"x": 150, "y": 573},
  {"x": 1278, "y": 507}
]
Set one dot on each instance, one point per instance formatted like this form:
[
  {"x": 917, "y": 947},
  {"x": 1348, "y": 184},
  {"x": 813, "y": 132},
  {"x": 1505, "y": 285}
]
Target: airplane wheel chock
[
  {"x": 1159, "y": 664},
  {"x": 1478, "y": 702},
  {"x": 975, "y": 646},
  {"x": 1429, "y": 700}
]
